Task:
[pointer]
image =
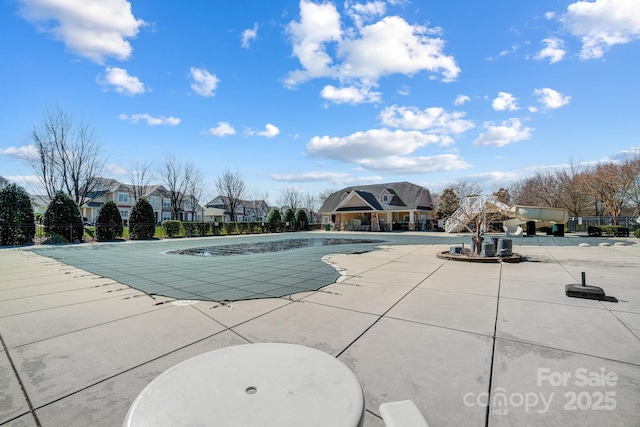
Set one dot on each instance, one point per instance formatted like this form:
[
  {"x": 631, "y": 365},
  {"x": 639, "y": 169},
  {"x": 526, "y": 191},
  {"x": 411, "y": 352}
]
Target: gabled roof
[
  {"x": 404, "y": 196},
  {"x": 219, "y": 200}
]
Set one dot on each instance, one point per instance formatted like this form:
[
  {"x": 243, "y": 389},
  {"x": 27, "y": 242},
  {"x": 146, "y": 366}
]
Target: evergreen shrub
[
  {"x": 189, "y": 229},
  {"x": 108, "y": 222},
  {"x": 302, "y": 219},
  {"x": 171, "y": 227},
  {"x": 274, "y": 215},
  {"x": 17, "y": 225},
  {"x": 290, "y": 218},
  {"x": 142, "y": 221},
  {"x": 62, "y": 220}
]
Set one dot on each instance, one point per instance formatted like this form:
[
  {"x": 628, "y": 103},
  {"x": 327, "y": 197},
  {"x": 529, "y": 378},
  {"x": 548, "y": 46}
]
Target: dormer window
[{"x": 385, "y": 196}]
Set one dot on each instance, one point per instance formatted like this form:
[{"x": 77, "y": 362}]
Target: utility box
[
  {"x": 531, "y": 228},
  {"x": 558, "y": 230}
]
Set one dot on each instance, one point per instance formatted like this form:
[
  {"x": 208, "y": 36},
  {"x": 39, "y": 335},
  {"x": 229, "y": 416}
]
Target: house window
[
  {"x": 406, "y": 218},
  {"x": 124, "y": 214},
  {"x": 123, "y": 198},
  {"x": 166, "y": 203},
  {"x": 154, "y": 201},
  {"x": 166, "y": 216},
  {"x": 385, "y": 198}
]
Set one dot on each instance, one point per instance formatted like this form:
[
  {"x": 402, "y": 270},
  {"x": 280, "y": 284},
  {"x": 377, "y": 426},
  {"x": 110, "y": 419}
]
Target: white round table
[{"x": 263, "y": 385}]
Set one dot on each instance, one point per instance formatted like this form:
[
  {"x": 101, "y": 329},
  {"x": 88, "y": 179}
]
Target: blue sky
[{"x": 321, "y": 95}]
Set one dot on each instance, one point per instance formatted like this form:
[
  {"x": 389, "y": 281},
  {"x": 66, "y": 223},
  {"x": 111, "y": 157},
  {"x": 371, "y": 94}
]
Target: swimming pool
[{"x": 268, "y": 246}]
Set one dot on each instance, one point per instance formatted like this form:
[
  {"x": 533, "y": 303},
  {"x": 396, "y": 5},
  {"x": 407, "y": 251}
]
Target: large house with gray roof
[{"x": 379, "y": 207}]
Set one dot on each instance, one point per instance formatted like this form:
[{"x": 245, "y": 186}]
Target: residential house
[
  {"x": 246, "y": 210},
  {"x": 124, "y": 197},
  {"x": 107, "y": 190},
  {"x": 214, "y": 215},
  {"x": 379, "y": 207},
  {"x": 39, "y": 203}
]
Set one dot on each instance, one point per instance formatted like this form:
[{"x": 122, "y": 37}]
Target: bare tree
[
  {"x": 503, "y": 195},
  {"x": 475, "y": 211},
  {"x": 311, "y": 204},
  {"x": 231, "y": 190},
  {"x": 574, "y": 193},
  {"x": 195, "y": 189},
  {"x": 291, "y": 197},
  {"x": 633, "y": 169},
  {"x": 448, "y": 202},
  {"x": 259, "y": 203},
  {"x": 179, "y": 181},
  {"x": 611, "y": 183},
  {"x": 69, "y": 156},
  {"x": 140, "y": 174},
  {"x": 324, "y": 195}
]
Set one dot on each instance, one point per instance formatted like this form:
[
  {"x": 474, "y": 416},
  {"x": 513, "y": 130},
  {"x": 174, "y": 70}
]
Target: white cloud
[
  {"x": 26, "y": 152},
  {"x": 269, "y": 131},
  {"x": 204, "y": 83},
  {"x": 350, "y": 95},
  {"x": 392, "y": 46},
  {"x": 364, "y": 53},
  {"x": 507, "y": 132},
  {"x": 361, "y": 180},
  {"x": 94, "y": 29},
  {"x": 116, "y": 169},
  {"x": 151, "y": 121},
  {"x": 554, "y": 50},
  {"x": 550, "y": 98},
  {"x": 514, "y": 48},
  {"x": 31, "y": 181},
  {"x": 404, "y": 90},
  {"x": 434, "y": 119},
  {"x": 420, "y": 164},
  {"x": 319, "y": 24},
  {"x": 461, "y": 99},
  {"x": 222, "y": 129},
  {"x": 375, "y": 143},
  {"x": 504, "y": 101},
  {"x": 365, "y": 12},
  {"x": 122, "y": 82},
  {"x": 495, "y": 177},
  {"x": 248, "y": 35},
  {"x": 601, "y": 24},
  {"x": 315, "y": 176}
]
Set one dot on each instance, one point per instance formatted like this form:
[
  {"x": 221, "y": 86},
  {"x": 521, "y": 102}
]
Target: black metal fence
[
  {"x": 75, "y": 233},
  {"x": 582, "y": 223}
]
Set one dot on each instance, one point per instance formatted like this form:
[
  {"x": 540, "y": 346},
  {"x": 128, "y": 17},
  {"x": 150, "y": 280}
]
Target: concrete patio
[{"x": 78, "y": 347}]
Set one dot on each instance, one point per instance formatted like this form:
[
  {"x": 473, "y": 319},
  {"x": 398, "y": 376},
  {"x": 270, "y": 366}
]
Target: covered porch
[{"x": 409, "y": 220}]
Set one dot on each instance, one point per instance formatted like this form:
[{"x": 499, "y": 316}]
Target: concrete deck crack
[
  {"x": 493, "y": 349},
  {"x": 24, "y": 390}
]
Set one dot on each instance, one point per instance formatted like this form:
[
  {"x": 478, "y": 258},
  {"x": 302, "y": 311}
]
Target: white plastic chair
[{"x": 403, "y": 413}]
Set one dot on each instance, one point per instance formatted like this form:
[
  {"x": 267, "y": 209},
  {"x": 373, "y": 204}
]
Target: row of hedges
[
  {"x": 608, "y": 230},
  {"x": 173, "y": 228}
]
